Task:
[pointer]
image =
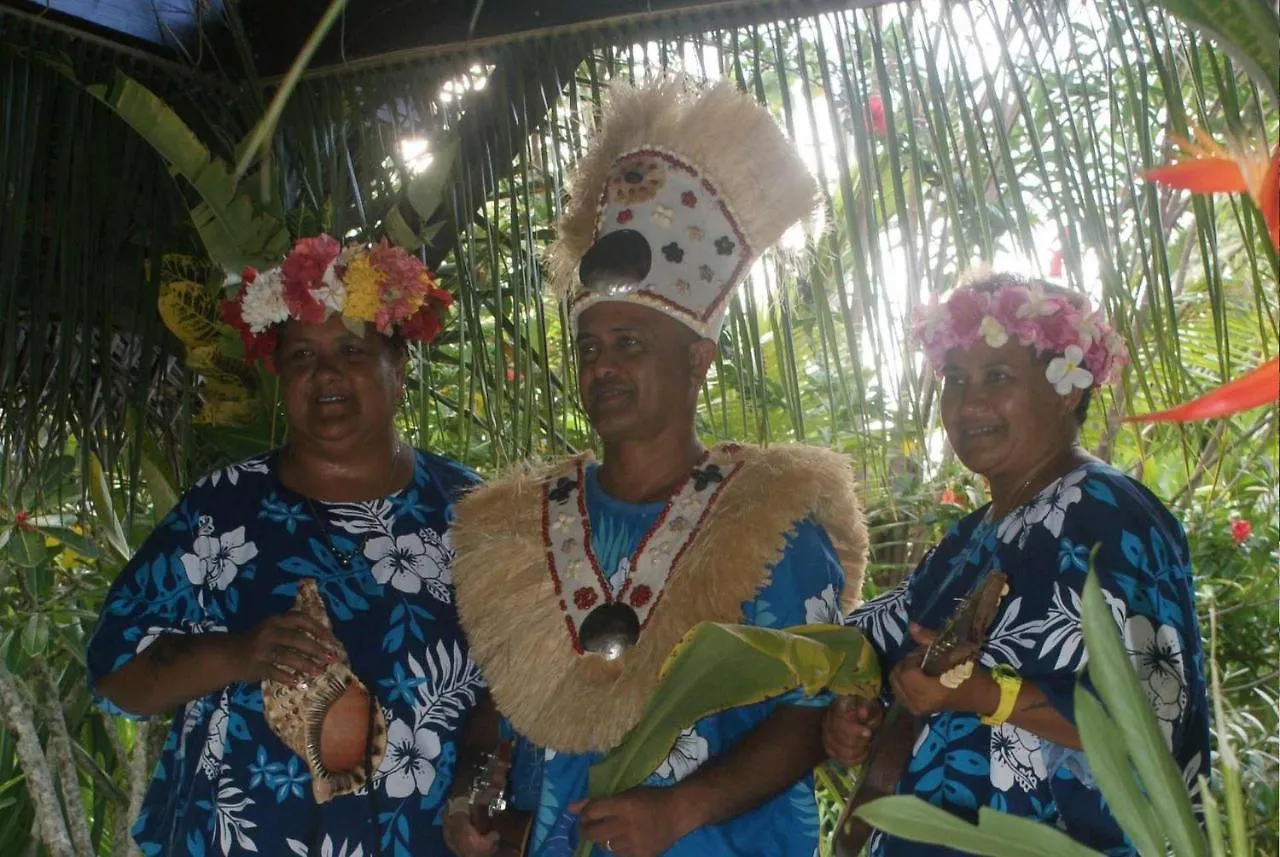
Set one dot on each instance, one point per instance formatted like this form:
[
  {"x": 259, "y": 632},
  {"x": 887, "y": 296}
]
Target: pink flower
[
  {"x": 1055, "y": 264},
  {"x": 303, "y": 270},
  {"x": 261, "y": 346},
  {"x": 875, "y": 115},
  {"x": 967, "y": 308},
  {"x": 1241, "y": 530}
]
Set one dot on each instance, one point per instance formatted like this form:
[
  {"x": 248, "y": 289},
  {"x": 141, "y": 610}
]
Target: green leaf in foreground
[
  {"x": 996, "y": 834},
  {"x": 717, "y": 667}
]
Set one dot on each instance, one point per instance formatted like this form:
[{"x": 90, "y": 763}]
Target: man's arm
[
  {"x": 783, "y": 748},
  {"x": 178, "y": 668},
  {"x": 643, "y": 822}
]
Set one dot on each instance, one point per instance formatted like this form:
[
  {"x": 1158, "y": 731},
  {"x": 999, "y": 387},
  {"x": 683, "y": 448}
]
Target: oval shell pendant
[{"x": 609, "y": 630}]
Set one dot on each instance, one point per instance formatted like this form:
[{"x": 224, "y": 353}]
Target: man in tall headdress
[{"x": 575, "y": 582}]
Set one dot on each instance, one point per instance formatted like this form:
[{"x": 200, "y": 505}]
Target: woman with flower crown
[
  {"x": 1019, "y": 360},
  {"x": 295, "y": 610}
]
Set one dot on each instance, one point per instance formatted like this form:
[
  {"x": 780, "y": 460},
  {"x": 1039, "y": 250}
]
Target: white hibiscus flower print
[
  {"x": 1015, "y": 758},
  {"x": 407, "y": 766},
  {"x": 685, "y": 757},
  {"x": 1157, "y": 656},
  {"x": 822, "y": 609},
  {"x": 1052, "y": 503},
  {"x": 411, "y": 562},
  {"x": 216, "y": 560}
]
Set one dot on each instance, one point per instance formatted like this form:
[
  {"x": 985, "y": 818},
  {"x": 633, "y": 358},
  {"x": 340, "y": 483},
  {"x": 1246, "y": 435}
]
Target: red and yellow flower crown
[{"x": 380, "y": 285}]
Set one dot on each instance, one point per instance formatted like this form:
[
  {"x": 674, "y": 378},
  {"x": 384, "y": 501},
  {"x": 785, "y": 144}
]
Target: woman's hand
[
  {"x": 923, "y": 695},
  {"x": 283, "y": 648},
  {"x": 848, "y": 727}
]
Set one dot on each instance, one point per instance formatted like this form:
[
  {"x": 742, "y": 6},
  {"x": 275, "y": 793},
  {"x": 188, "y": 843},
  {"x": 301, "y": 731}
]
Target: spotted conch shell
[{"x": 335, "y": 704}]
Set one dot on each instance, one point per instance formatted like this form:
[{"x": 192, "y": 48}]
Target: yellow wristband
[{"x": 1010, "y": 684}]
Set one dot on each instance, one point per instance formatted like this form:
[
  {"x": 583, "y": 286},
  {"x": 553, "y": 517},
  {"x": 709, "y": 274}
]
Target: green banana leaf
[
  {"x": 717, "y": 667},
  {"x": 1166, "y": 805},
  {"x": 233, "y": 229}
]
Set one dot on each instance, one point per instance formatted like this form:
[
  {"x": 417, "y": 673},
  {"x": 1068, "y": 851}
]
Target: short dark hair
[{"x": 995, "y": 281}]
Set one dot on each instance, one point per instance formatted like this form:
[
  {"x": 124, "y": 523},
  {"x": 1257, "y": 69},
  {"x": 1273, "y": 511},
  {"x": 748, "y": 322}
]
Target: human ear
[{"x": 701, "y": 355}]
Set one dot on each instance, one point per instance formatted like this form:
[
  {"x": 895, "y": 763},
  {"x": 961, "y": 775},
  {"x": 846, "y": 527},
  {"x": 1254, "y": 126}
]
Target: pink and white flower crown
[
  {"x": 380, "y": 285},
  {"x": 1088, "y": 351}
]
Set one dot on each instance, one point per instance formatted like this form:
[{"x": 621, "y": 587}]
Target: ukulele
[
  {"x": 960, "y": 642},
  {"x": 487, "y": 803}
]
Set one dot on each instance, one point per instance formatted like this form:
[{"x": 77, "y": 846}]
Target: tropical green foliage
[{"x": 943, "y": 134}]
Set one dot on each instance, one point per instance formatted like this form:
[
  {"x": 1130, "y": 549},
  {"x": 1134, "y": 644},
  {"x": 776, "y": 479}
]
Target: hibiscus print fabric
[
  {"x": 231, "y": 553},
  {"x": 1044, "y": 547}
]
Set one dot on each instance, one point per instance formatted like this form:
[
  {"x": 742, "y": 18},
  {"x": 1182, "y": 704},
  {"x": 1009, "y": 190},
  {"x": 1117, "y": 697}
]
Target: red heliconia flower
[
  {"x": 1241, "y": 530},
  {"x": 875, "y": 116}
]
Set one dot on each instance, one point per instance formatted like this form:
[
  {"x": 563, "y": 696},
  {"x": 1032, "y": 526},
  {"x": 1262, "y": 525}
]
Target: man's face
[{"x": 638, "y": 370}]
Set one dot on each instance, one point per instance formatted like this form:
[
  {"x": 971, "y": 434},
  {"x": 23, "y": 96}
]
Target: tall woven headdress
[{"x": 680, "y": 191}]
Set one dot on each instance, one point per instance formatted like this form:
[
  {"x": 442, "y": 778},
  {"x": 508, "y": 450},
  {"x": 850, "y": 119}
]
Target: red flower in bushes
[{"x": 1241, "y": 531}]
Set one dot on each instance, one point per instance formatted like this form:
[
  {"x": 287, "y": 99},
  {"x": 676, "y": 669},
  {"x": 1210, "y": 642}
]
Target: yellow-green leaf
[{"x": 717, "y": 667}]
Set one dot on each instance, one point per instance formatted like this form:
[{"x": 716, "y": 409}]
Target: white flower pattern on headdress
[
  {"x": 264, "y": 303},
  {"x": 333, "y": 294},
  {"x": 993, "y": 332},
  {"x": 1066, "y": 372}
]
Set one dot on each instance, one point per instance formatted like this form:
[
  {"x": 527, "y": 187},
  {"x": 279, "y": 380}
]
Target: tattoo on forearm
[{"x": 169, "y": 648}]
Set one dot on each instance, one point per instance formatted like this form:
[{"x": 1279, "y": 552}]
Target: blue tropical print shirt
[
  {"x": 1043, "y": 547},
  {"x": 230, "y": 554},
  {"x": 804, "y": 587}
]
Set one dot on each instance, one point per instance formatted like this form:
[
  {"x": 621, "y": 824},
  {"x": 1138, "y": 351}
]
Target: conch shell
[{"x": 326, "y": 719}]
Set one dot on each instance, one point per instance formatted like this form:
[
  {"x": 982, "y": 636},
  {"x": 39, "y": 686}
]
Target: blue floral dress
[
  {"x": 230, "y": 554},
  {"x": 804, "y": 588},
  {"x": 1043, "y": 547}
]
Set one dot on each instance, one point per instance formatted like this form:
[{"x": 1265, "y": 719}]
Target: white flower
[
  {"x": 1015, "y": 758},
  {"x": 408, "y": 561},
  {"x": 993, "y": 332},
  {"x": 333, "y": 294},
  {"x": 407, "y": 767},
  {"x": 217, "y": 560},
  {"x": 1066, "y": 373},
  {"x": 1157, "y": 656},
  {"x": 1052, "y": 503},
  {"x": 1036, "y": 304},
  {"x": 821, "y": 609},
  {"x": 263, "y": 304},
  {"x": 685, "y": 757}
]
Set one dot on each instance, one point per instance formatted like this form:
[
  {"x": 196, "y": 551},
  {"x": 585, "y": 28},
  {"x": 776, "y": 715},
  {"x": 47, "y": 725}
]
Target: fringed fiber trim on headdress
[{"x": 723, "y": 131}]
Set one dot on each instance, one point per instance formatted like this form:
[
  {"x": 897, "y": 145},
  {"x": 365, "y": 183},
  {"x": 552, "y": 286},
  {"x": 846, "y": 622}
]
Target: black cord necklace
[{"x": 346, "y": 559}]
